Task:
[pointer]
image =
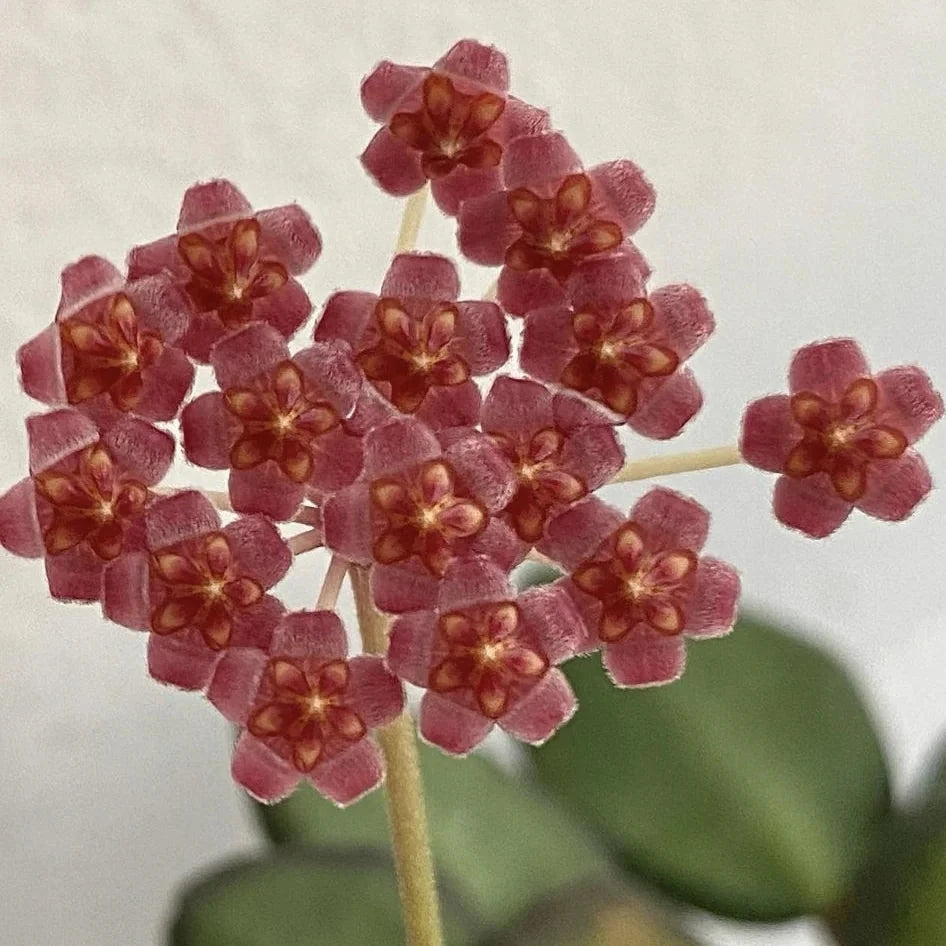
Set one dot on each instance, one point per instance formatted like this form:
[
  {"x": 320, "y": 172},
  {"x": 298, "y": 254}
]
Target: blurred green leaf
[
  {"x": 750, "y": 787},
  {"x": 301, "y": 898}
]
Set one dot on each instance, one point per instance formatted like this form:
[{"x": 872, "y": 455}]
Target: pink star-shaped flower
[
  {"x": 448, "y": 124},
  {"x": 236, "y": 265},
  {"x": 621, "y": 347},
  {"x": 277, "y": 422},
  {"x": 641, "y": 584},
  {"x": 417, "y": 344},
  {"x": 199, "y": 588},
  {"x": 550, "y": 218},
  {"x": 111, "y": 348},
  {"x": 81, "y": 506},
  {"x": 842, "y": 438},
  {"x": 487, "y": 657},
  {"x": 306, "y": 710}
]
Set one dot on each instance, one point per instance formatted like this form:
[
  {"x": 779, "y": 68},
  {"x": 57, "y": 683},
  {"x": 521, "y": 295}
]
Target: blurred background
[{"x": 798, "y": 150}]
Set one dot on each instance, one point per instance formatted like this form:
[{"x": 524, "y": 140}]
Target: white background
[{"x": 799, "y": 154}]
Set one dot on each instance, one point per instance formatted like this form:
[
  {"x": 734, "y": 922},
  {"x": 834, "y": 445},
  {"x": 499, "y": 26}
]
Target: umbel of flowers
[{"x": 375, "y": 430}]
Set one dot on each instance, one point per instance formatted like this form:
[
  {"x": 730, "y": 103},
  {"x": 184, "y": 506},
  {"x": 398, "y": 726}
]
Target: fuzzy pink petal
[
  {"x": 645, "y": 658},
  {"x": 286, "y": 309},
  {"x": 253, "y": 627},
  {"x": 768, "y": 432},
  {"x": 319, "y": 634},
  {"x": 520, "y": 293},
  {"x": 386, "y": 85},
  {"x": 711, "y": 609},
  {"x": 209, "y": 201},
  {"x": 374, "y": 693},
  {"x": 590, "y": 610},
  {"x": 518, "y": 407},
  {"x": 347, "y": 523},
  {"x": 577, "y": 533},
  {"x": 180, "y": 662},
  {"x": 266, "y": 776},
  {"x": 908, "y": 401},
  {"x": 671, "y": 520},
  {"x": 683, "y": 316},
  {"x": 346, "y": 317},
  {"x": 395, "y": 167},
  {"x": 410, "y": 645},
  {"x": 463, "y": 184},
  {"x": 247, "y": 353},
  {"x": 810, "y": 505},
  {"x": 236, "y": 682},
  {"x": 486, "y": 228},
  {"x": 165, "y": 386},
  {"x": 41, "y": 368},
  {"x": 205, "y": 431},
  {"x": 203, "y": 332},
  {"x": 609, "y": 282},
  {"x": 449, "y": 407},
  {"x": 338, "y": 458},
  {"x": 19, "y": 525},
  {"x": 126, "y": 591},
  {"x": 450, "y": 726},
  {"x": 548, "y": 343},
  {"x": 519, "y": 119},
  {"x": 426, "y": 275},
  {"x": 554, "y": 620},
  {"x": 161, "y": 305},
  {"x": 329, "y": 366},
  {"x": 85, "y": 280},
  {"x": 827, "y": 368},
  {"x": 140, "y": 449},
  {"x": 473, "y": 60},
  {"x": 483, "y": 470},
  {"x": 594, "y": 454},
  {"x": 895, "y": 487},
  {"x": 75, "y": 575},
  {"x": 625, "y": 192},
  {"x": 501, "y": 544},
  {"x": 471, "y": 581},
  {"x": 288, "y": 233},
  {"x": 57, "y": 434},
  {"x": 407, "y": 586},
  {"x": 537, "y": 159},
  {"x": 666, "y": 405},
  {"x": 573, "y": 412},
  {"x": 371, "y": 410},
  {"x": 482, "y": 336},
  {"x": 546, "y": 707},
  {"x": 398, "y": 445},
  {"x": 265, "y": 490},
  {"x": 258, "y": 549},
  {"x": 154, "y": 259},
  {"x": 348, "y": 776},
  {"x": 173, "y": 519}
]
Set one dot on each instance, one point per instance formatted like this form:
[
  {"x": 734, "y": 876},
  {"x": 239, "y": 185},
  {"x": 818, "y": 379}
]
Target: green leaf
[
  {"x": 749, "y": 787},
  {"x": 301, "y": 898},
  {"x": 500, "y": 842}
]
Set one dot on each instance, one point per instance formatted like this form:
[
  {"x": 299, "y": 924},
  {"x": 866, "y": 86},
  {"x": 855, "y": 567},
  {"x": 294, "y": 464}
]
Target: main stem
[{"x": 407, "y": 814}]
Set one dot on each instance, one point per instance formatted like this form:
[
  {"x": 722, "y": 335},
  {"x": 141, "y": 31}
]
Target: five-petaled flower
[
  {"x": 550, "y": 218},
  {"x": 842, "y": 438},
  {"x": 560, "y": 447},
  {"x": 449, "y": 124},
  {"x": 417, "y": 506},
  {"x": 417, "y": 344},
  {"x": 306, "y": 710},
  {"x": 641, "y": 584},
  {"x": 277, "y": 422},
  {"x": 111, "y": 348},
  {"x": 199, "y": 588},
  {"x": 621, "y": 347},
  {"x": 487, "y": 657},
  {"x": 81, "y": 506},
  {"x": 236, "y": 265}
]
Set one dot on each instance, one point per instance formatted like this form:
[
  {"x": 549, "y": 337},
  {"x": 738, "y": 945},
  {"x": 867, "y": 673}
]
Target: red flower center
[
  {"x": 617, "y": 350},
  {"x": 280, "y": 420},
  {"x": 450, "y": 128},
  {"x": 227, "y": 274},
  {"x": 301, "y": 710},
  {"x": 424, "y": 516},
  {"x": 486, "y": 656},
  {"x": 543, "y": 484},
  {"x": 202, "y": 589},
  {"x": 842, "y": 439},
  {"x": 413, "y": 355},
  {"x": 93, "y": 502},
  {"x": 637, "y": 586},
  {"x": 558, "y": 232},
  {"x": 107, "y": 352}
]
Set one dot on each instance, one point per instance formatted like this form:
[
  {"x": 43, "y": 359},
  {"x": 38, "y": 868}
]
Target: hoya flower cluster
[{"x": 377, "y": 434}]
